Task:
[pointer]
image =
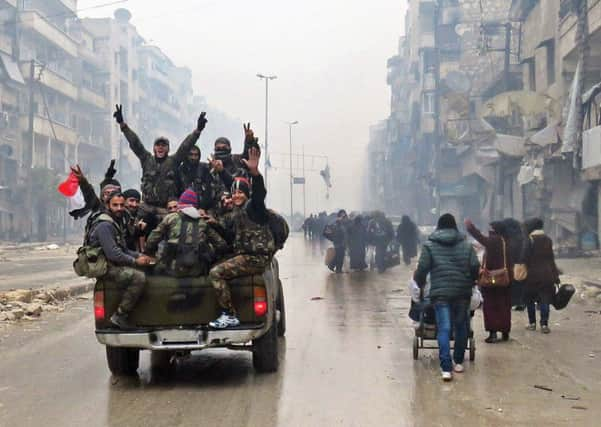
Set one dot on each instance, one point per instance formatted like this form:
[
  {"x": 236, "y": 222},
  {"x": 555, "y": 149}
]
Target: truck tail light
[
  {"x": 260, "y": 301},
  {"x": 99, "y": 305}
]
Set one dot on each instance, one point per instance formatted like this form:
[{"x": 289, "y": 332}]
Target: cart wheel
[
  {"x": 415, "y": 348},
  {"x": 472, "y": 349}
]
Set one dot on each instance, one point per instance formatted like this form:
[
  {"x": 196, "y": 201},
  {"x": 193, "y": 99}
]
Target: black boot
[
  {"x": 505, "y": 336},
  {"x": 121, "y": 321},
  {"x": 492, "y": 338}
]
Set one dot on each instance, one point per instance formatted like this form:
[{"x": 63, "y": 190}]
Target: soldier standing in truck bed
[
  {"x": 225, "y": 166},
  {"x": 247, "y": 230},
  {"x": 159, "y": 170}
]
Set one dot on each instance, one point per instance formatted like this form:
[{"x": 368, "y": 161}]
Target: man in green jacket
[
  {"x": 453, "y": 266},
  {"x": 159, "y": 169}
]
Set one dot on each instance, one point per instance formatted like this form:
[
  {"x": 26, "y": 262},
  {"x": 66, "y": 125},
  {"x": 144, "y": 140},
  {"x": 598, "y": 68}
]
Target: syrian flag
[{"x": 70, "y": 189}]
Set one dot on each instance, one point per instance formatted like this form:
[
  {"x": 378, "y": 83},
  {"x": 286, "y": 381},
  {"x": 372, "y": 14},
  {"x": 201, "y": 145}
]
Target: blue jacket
[{"x": 452, "y": 264}]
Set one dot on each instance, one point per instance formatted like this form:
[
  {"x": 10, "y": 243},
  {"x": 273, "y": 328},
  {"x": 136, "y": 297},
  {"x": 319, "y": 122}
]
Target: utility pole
[
  {"x": 290, "y": 124},
  {"x": 30, "y": 162},
  {"x": 304, "y": 186},
  {"x": 266, "y": 78}
]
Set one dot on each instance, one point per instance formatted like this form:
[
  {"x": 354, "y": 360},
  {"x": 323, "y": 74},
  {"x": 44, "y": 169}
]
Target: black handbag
[{"x": 562, "y": 296}]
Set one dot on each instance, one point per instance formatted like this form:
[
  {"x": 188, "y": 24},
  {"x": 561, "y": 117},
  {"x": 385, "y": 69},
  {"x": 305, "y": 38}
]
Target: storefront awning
[
  {"x": 11, "y": 68},
  {"x": 528, "y": 103},
  {"x": 509, "y": 145},
  {"x": 546, "y": 136}
]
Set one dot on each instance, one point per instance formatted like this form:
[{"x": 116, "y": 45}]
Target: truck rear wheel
[
  {"x": 265, "y": 350},
  {"x": 281, "y": 306},
  {"x": 123, "y": 361}
]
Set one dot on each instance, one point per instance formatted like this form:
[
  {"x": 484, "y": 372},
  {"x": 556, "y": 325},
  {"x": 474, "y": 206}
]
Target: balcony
[
  {"x": 42, "y": 126},
  {"x": 33, "y": 21},
  {"x": 92, "y": 98},
  {"x": 6, "y": 44},
  {"x": 568, "y": 23},
  {"x": 69, "y": 4},
  {"x": 52, "y": 80}
]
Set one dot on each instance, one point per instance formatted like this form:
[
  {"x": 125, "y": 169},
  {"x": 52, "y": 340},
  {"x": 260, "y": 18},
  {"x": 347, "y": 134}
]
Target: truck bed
[{"x": 187, "y": 302}]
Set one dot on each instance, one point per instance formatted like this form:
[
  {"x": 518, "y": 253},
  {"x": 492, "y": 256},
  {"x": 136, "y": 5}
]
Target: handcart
[{"x": 426, "y": 330}]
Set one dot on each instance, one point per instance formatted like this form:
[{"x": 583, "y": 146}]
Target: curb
[{"x": 58, "y": 294}]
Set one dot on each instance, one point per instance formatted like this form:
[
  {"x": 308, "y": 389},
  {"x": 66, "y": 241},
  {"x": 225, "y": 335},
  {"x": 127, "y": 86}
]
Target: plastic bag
[{"x": 476, "y": 300}]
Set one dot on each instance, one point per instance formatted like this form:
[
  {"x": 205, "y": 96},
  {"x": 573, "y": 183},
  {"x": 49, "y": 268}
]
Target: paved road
[
  {"x": 31, "y": 269},
  {"x": 346, "y": 361}
]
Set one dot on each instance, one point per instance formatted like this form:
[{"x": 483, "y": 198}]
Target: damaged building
[{"x": 494, "y": 115}]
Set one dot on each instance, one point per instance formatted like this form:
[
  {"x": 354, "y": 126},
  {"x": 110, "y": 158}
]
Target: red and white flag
[{"x": 70, "y": 189}]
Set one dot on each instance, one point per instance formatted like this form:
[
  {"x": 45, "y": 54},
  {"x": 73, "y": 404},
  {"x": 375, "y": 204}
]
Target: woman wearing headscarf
[
  {"x": 408, "y": 237},
  {"x": 497, "y": 300},
  {"x": 543, "y": 274},
  {"x": 357, "y": 243}
]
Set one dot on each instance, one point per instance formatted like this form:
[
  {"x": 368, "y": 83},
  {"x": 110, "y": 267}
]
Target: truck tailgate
[{"x": 169, "y": 301}]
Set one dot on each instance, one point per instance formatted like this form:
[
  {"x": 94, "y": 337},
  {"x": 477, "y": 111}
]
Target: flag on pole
[{"x": 70, "y": 189}]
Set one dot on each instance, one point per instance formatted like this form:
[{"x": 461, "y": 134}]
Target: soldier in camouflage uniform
[
  {"x": 159, "y": 170},
  {"x": 106, "y": 231},
  {"x": 247, "y": 230},
  {"x": 226, "y": 166},
  {"x": 191, "y": 242},
  {"x": 194, "y": 174}
]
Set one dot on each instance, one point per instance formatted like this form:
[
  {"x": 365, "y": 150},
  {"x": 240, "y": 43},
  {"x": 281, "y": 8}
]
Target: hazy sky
[{"x": 330, "y": 59}]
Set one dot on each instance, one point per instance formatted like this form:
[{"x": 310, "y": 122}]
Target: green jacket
[
  {"x": 199, "y": 248},
  {"x": 159, "y": 181},
  {"x": 452, "y": 264}
]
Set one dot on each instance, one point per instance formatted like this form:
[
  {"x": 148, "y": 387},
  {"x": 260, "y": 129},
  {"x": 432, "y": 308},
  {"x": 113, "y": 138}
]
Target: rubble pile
[{"x": 23, "y": 304}]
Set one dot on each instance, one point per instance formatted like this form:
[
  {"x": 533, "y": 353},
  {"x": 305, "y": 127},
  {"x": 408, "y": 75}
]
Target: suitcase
[
  {"x": 562, "y": 296},
  {"x": 330, "y": 255}
]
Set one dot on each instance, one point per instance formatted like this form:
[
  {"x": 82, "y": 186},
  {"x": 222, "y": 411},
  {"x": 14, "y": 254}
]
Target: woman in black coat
[
  {"x": 357, "y": 237},
  {"x": 407, "y": 235},
  {"x": 543, "y": 274}
]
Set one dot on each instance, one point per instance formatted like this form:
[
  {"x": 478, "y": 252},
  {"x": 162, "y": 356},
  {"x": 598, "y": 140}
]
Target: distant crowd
[{"x": 369, "y": 239}]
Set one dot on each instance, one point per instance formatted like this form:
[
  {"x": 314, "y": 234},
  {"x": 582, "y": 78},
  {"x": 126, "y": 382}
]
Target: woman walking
[
  {"x": 543, "y": 274},
  {"x": 497, "y": 300},
  {"x": 357, "y": 243},
  {"x": 408, "y": 237}
]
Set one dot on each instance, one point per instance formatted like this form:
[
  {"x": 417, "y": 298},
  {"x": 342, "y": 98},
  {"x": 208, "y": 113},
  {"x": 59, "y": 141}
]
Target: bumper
[{"x": 180, "y": 339}]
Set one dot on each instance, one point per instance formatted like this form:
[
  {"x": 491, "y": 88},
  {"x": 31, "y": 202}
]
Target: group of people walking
[
  {"x": 355, "y": 233},
  {"x": 451, "y": 265},
  {"x": 190, "y": 219}
]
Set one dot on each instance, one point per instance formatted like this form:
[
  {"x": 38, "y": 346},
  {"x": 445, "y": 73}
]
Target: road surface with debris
[{"x": 346, "y": 360}]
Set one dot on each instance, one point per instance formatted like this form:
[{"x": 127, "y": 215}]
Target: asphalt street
[{"x": 346, "y": 361}]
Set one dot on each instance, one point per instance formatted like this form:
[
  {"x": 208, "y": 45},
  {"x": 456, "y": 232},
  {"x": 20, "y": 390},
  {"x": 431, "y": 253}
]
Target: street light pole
[
  {"x": 290, "y": 124},
  {"x": 266, "y": 78}
]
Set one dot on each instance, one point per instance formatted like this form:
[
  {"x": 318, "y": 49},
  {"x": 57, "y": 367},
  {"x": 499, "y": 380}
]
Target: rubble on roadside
[{"x": 29, "y": 304}]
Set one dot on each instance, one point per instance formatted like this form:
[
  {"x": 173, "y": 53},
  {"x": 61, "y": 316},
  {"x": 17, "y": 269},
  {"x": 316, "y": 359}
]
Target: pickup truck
[{"x": 173, "y": 314}]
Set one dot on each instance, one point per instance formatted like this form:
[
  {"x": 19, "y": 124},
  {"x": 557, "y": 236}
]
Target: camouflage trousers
[
  {"x": 133, "y": 279},
  {"x": 238, "y": 266}
]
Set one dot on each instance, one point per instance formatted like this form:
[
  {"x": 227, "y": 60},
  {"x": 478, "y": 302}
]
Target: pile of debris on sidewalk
[{"x": 24, "y": 304}]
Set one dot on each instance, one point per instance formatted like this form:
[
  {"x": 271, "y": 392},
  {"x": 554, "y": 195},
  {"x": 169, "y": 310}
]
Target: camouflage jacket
[
  {"x": 199, "y": 179},
  {"x": 201, "y": 245},
  {"x": 159, "y": 181},
  {"x": 247, "y": 228}
]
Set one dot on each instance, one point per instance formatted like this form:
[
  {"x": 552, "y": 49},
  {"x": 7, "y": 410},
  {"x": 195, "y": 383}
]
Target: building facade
[
  {"x": 60, "y": 78},
  {"x": 503, "y": 114}
]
